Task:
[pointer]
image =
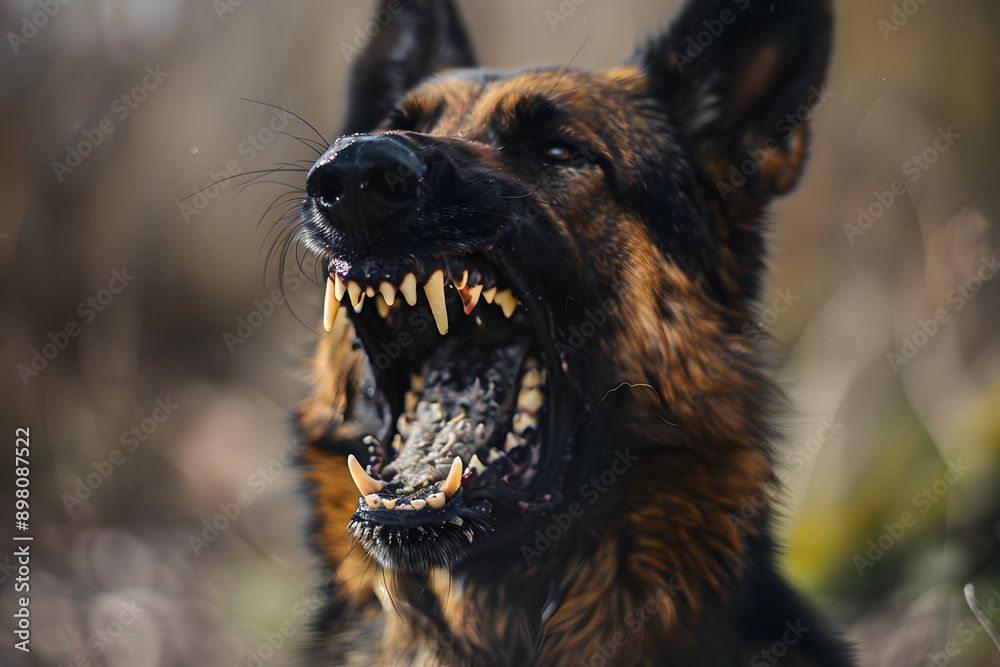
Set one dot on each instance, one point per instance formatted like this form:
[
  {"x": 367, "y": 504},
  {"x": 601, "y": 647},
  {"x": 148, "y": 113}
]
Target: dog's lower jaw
[{"x": 637, "y": 581}]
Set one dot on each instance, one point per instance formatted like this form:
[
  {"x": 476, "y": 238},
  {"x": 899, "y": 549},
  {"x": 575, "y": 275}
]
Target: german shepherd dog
[{"x": 541, "y": 430}]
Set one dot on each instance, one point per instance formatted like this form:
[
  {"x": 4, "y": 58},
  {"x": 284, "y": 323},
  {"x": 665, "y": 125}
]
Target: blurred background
[{"x": 143, "y": 345}]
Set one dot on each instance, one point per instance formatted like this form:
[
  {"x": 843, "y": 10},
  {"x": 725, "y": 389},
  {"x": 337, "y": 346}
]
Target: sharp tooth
[
  {"x": 409, "y": 289},
  {"x": 470, "y": 297},
  {"x": 418, "y": 504},
  {"x": 339, "y": 287},
  {"x": 507, "y": 302},
  {"x": 477, "y": 465},
  {"x": 436, "y": 500},
  {"x": 330, "y": 306},
  {"x": 512, "y": 441},
  {"x": 388, "y": 292},
  {"x": 460, "y": 284},
  {"x": 416, "y": 382},
  {"x": 370, "y": 291},
  {"x": 531, "y": 379},
  {"x": 454, "y": 480},
  {"x": 435, "y": 295},
  {"x": 354, "y": 290},
  {"x": 361, "y": 303},
  {"x": 410, "y": 400},
  {"x": 523, "y": 421},
  {"x": 373, "y": 500},
  {"x": 490, "y": 294},
  {"x": 530, "y": 400},
  {"x": 366, "y": 483},
  {"x": 383, "y": 307},
  {"x": 389, "y": 503},
  {"x": 494, "y": 456}
]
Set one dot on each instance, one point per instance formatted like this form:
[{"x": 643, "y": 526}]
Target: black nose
[{"x": 366, "y": 185}]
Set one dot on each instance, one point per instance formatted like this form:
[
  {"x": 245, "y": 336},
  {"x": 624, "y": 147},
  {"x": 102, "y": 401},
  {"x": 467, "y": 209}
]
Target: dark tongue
[{"x": 466, "y": 397}]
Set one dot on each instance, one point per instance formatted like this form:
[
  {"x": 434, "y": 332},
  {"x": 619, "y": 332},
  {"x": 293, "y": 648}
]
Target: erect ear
[
  {"x": 414, "y": 39},
  {"x": 742, "y": 78}
]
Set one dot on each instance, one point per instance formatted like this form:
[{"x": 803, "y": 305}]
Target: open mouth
[{"x": 463, "y": 382}]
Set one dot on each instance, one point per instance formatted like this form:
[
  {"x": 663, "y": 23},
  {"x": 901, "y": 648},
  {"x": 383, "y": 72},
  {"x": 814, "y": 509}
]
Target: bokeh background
[{"x": 868, "y": 439}]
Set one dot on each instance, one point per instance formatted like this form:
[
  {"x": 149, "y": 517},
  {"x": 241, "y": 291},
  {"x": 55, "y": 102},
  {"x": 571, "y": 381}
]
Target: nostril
[
  {"x": 325, "y": 186},
  {"x": 391, "y": 187}
]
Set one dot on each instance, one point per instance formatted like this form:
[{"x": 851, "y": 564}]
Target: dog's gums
[{"x": 463, "y": 404}]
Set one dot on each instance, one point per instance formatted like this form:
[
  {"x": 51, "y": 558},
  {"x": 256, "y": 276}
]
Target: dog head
[{"x": 539, "y": 275}]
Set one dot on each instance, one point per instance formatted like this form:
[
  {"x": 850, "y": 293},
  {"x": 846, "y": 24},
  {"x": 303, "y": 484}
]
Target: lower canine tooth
[
  {"x": 330, "y": 306},
  {"x": 366, "y": 484},
  {"x": 436, "y": 500},
  {"x": 450, "y": 485},
  {"x": 435, "y": 295},
  {"x": 409, "y": 289},
  {"x": 388, "y": 292},
  {"x": 507, "y": 302}
]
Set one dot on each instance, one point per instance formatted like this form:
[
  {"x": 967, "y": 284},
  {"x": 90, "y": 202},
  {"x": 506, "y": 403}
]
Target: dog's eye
[{"x": 557, "y": 151}]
